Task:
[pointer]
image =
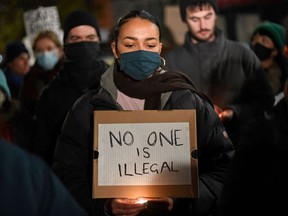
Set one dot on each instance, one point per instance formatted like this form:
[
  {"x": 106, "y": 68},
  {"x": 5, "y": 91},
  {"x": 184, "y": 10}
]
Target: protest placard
[
  {"x": 40, "y": 19},
  {"x": 145, "y": 154}
]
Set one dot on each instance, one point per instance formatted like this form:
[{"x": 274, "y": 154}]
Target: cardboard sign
[
  {"x": 145, "y": 154},
  {"x": 43, "y": 18}
]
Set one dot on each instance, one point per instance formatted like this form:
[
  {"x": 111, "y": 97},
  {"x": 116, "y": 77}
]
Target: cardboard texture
[{"x": 187, "y": 117}]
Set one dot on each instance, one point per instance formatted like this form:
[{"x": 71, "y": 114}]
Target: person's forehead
[
  {"x": 22, "y": 55},
  {"x": 263, "y": 36},
  {"x": 43, "y": 42},
  {"x": 139, "y": 26},
  {"x": 82, "y": 30},
  {"x": 199, "y": 11}
]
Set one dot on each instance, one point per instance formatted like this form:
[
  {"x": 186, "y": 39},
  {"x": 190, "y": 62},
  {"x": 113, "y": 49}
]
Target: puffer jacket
[{"x": 74, "y": 149}]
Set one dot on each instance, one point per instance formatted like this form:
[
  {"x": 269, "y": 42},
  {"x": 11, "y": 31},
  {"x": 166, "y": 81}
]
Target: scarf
[{"x": 151, "y": 89}]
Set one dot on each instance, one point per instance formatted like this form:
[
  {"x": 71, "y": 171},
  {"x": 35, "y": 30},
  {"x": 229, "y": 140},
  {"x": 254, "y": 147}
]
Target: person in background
[
  {"x": 81, "y": 71},
  {"x": 15, "y": 66},
  {"x": 130, "y": 84},
  {"x": 29, "y": 187},
  {"x": 257, "y": 179},
  {"x": 267, "y": 42},
  {"x": 226, "y": 71},
  {"x": 48, "y": 53},
  {"x": 5, "y": 95},
  {"x": 15, "y": 125},
  {"x": 285, "y": 52}
]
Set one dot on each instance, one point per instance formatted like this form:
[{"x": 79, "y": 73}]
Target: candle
[{"x": 141, "y": 201}]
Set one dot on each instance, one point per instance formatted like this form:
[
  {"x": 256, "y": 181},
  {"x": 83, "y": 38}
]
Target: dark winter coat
[
  {"x": 257, "y": 181},
  {"x": 228, "y": 73},
  {"x": 16, "y": 125},
  {"x": 14, "y": 82},
  {"x": 33, "y": 83},
  {"x": 73, "y": 155},
  {"x": 53, "y": 105}
]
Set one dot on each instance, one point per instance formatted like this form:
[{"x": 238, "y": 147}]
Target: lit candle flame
[{"x": 141, "y": 201}]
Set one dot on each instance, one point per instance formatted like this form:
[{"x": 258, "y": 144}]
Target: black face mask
[
  {"x": 83, "y": 64},
  {"x": 262, "y": 52}
]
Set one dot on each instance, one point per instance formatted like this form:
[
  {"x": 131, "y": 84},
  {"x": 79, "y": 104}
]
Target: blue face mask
[
  {"x": 47, "y": 60},
  {"x": 139, "y": 64}
]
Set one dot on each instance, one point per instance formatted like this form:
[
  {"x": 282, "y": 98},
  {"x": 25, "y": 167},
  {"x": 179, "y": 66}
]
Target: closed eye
[{"x": 129, "y": 45}]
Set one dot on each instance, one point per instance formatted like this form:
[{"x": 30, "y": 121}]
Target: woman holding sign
[{"x": 137, "y": 81}]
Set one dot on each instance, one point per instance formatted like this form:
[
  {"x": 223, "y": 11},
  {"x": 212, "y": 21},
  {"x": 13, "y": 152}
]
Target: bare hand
[{"x": 127, "y": 207}]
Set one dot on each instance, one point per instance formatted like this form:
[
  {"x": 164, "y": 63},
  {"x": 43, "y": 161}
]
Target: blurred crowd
[{"x": 240, "y": 95}]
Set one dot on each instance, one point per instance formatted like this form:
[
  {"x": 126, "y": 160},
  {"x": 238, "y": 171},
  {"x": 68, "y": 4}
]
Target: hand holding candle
[
  {"x": 126, "y": 206},
  {"x": 132, "y": 206}
]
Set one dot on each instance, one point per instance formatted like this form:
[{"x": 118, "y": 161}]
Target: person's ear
[{"x": 114, "y": 50}]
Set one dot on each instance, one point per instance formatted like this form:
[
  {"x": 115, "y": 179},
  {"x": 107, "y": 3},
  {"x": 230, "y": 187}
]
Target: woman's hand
[
  {"x": 130, "y": 207},
  {"x": 127, "y": 207},
  {"x": 162, "y": 203}
]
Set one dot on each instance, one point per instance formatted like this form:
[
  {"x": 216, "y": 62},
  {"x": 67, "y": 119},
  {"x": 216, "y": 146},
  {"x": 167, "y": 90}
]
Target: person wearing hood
[
  {"x": 268, "y": 42},
  {"x": 81, "y": 71}
]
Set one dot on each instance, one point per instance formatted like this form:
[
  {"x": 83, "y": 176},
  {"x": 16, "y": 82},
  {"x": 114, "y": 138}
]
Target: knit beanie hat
[
  {"x": 13, "y": 50},
  {"x": 185, "y": 3},
  {"x": 77, "y": 18},
  {"x": 3, "y": 84},
  {"x": 273, "y": 30}
]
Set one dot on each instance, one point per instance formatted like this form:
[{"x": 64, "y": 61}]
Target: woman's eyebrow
[
  {"x": 151, "y": 38},
  {"x": 129, "y": 37},
  {"x": 134, "y": 38}
]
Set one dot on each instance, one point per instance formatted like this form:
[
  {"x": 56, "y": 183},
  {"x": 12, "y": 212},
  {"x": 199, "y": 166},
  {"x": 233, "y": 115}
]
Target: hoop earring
[{"x": 163, "y": 62}]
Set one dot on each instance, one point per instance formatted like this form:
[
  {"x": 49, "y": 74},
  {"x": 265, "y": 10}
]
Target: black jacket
[
  {"x": 34, "y": 82},
  {"x": 257, "y": 180},
  {"x": 56, "y": 99},
  {"x": 73, "y": 155}
]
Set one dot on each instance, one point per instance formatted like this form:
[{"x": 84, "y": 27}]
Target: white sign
[
  {"x": 43, "y": 18},
  {"x": 144, "y": 154}
]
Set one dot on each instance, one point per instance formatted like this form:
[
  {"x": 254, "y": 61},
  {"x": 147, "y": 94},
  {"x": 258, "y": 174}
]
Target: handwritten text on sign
[
  {"x": 144, "y": 154},
  {"x": 43, "y": 18}
]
